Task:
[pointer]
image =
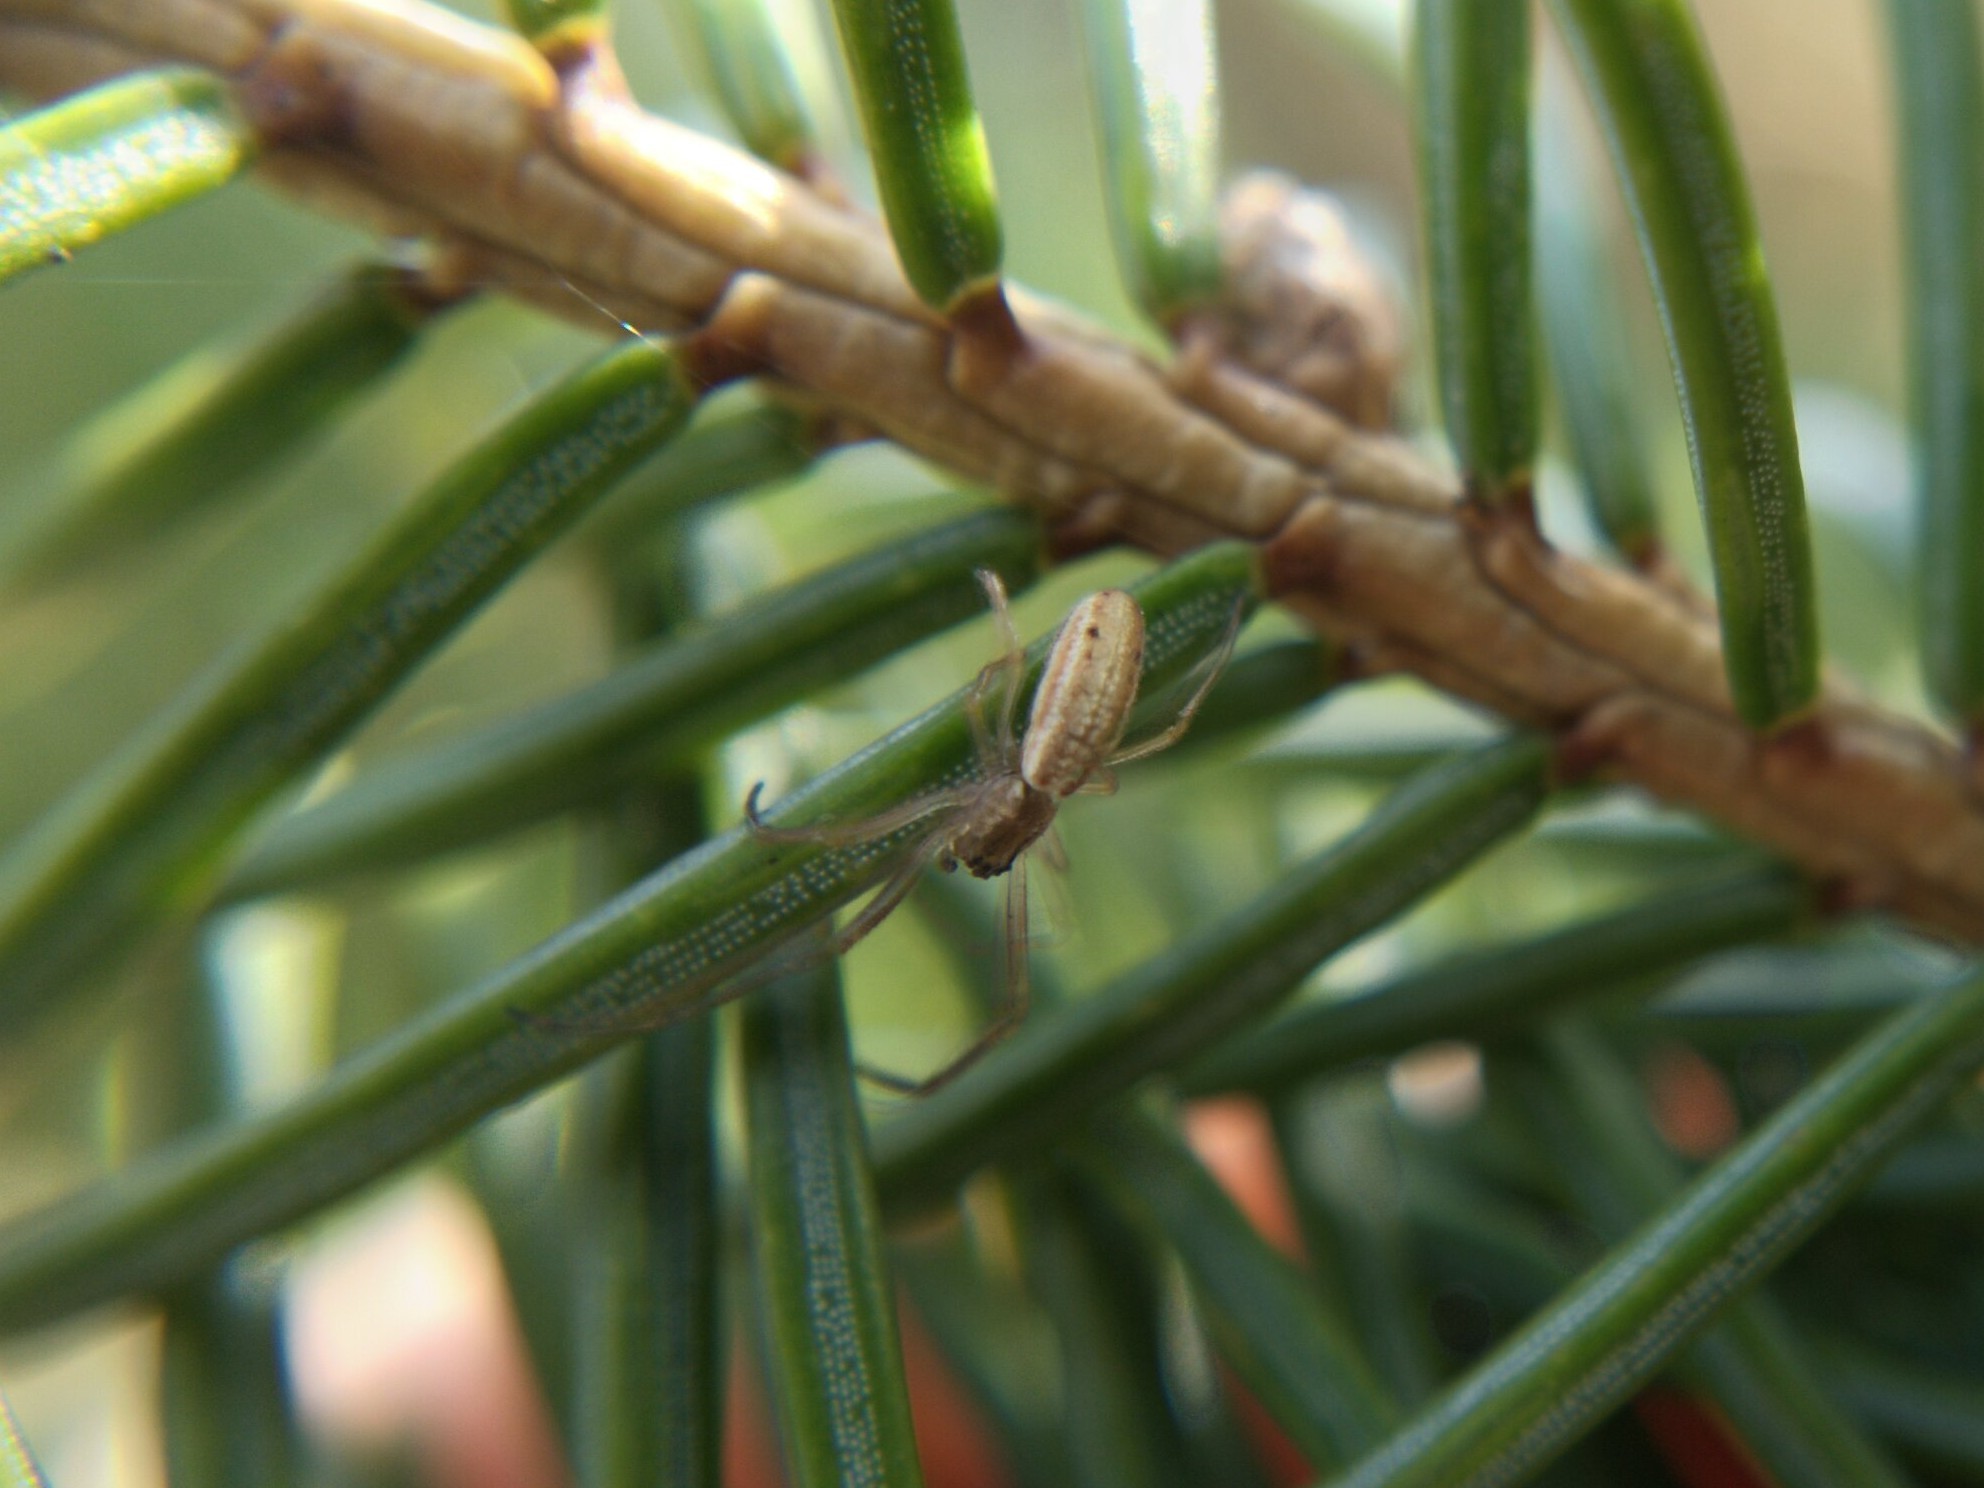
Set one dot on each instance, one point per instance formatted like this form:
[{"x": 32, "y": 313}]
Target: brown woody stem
[{"x": 419, "y": 123}]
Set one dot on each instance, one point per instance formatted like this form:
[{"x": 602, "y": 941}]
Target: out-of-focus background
[{"x": 1308, "y": 89}]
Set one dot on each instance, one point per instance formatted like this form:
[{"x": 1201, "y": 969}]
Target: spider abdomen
[{"x": 1085, "y": 694}]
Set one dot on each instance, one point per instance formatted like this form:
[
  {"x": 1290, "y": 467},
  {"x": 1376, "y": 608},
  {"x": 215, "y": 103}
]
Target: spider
[{"x": 1087, "y": 689}]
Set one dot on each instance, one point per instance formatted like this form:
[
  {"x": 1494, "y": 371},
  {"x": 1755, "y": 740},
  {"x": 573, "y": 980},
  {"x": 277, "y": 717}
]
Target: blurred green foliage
[{"x": 84, "y": 662}]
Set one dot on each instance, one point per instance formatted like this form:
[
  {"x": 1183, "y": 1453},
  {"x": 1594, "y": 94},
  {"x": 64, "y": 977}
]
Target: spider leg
[
  {"x": 1053, "y": 851},
  {"x": 1011, "y": 665},
  {"x": 848, "y": 834},
  {"x": 776, "y": 963},
  {"x": 1059, "y": 909},
  {"x": 1010, "y": 1013},
  {"x": 1214, "y": 665},
  {"x": 994, "y": 742},
  {"x": 1002, "y": 610},
  {"x": 892, "y": 893},
  {"x": 974, "y": 713}
]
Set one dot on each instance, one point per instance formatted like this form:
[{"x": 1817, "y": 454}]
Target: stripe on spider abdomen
[{"x": 1085, "y": 694}]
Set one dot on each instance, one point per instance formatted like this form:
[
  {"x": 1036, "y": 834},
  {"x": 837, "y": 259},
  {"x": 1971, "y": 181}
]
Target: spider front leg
[
  {"x": 851, "y": 834},
  {"x": 1011, "y": 665},
  {"x": 777, "y": 962},
  {"x": 893, "y": 891}
]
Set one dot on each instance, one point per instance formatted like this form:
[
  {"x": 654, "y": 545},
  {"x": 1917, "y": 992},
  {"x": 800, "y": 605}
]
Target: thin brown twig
[{"x": 399, "y": 115}]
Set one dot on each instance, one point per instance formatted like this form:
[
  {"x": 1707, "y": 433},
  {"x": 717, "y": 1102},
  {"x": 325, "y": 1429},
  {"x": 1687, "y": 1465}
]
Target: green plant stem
[
  {"x": 1265, "y": 686},
  {"x": 679, "y": 695},
  {"x": 1155, "y": 82},
  {"x": 1939, "y": 90},
  {"x": 1587, "y": 1114},
  {"x": 1821, "y": 995},
  {"x": 1118, "y": 1432},
  {"x": 103, "y": 161},
  {"x": 682, "y": 1220},
  {"x": 223, "y": 1381},
  {"x": 751, "y": 69},
  {"x": 1933, "y": 1414},
  {"x": 1495, "y": 992},
  {"x": 646, "y": 1330},
  {"x": 212, "y": 424},
  {"x": 1937, "y": 1171},
  {"x": 997, "y": 1340},
  {"x": 1598, "y": 1342},
  {"x": 1100, "y": 1280},
  {"x": 1346, "y": 1181},
  {"x": 667, "y": 1418},
  {"x": 824, "y": 1297},
  {"x": 658, "y": 953},
  {"x": 1657, "y": 99},
  {"x": 1471, "y": 67},
  {"x": 554, "y": 26},
  {"x": 1058, "y": 1070},
  {"x": 145, "y": 834},
  {"x": 1299, "y": 1359},
  {"x": 1510, "y": 1255},
  {"x": 611, "y": 1415},
  {"x": 906, "y": 61},
  {"x": 723, "y": 452},
  {"x": 1579, "y": 292},
  {"x": 223, "y": 1377}
]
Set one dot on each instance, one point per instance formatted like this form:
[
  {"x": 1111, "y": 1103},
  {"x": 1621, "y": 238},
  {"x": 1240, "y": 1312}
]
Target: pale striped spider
[{"x": 1087, "y": 689}]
